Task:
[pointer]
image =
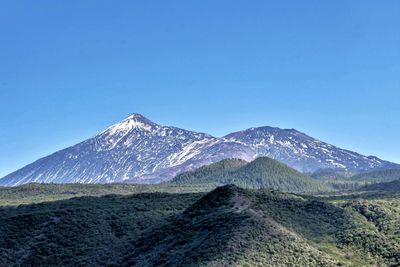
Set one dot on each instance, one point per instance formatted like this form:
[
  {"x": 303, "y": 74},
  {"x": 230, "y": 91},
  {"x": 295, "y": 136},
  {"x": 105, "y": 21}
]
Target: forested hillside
[
  {"x": 393, "y": 186},
  {"x": 263, "y": 172},
  {"x": 378, "y": 176},
  {"x": 229, "y": 226}
]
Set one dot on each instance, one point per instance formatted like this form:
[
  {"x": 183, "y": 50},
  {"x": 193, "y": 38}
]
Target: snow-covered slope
[
  {"x": 303, "y": 152},
  {"x": 135, "y": 149},
  {"x": 141, "y": 151}
]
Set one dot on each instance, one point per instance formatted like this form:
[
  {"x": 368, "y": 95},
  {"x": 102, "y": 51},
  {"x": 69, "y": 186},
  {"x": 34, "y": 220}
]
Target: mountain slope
[
  {"x": 303, "y": 152},
  {"x": 135, "y": 149},
  {"x": 229, "y": 226},
  {"x": 142, "y": 151},
  {"x": 260, "y": 173}
]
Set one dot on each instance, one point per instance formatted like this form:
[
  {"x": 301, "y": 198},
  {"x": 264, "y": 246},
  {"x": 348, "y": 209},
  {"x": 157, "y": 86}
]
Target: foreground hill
[
  {"x": 260, "y": 173},
  {"x": 229, "y": 226},
  {"x": 141, "y": 151},
  {"x": 85, "y": 231}
]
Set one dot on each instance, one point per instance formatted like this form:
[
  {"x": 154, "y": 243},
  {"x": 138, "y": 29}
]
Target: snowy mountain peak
[
  {"x": 138, "y": 120},
  {"x": 134, "y": 121},
  {"x": 139, "y": 117},
  {"x": 141, "y": 151}
]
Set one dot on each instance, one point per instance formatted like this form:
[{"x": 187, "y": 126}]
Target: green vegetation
[
  {"x": 332, "y": 174},
  {"x": 84, "y": 231},
  {"x": 33, "y": 193},
  {"x": 344, "y": 184},
  {"x": 263, "y": 172},
  {"x": 178, "y": 223},
  {"x": 338, "y": 179},
  {"x": 342, "y": 180},
  {"x": 212, "y": 173},
  {"x": 378, "y": 176},
  {"x": 393, "y": 186},
  {"x": 229, "y": 226},
  {"x": 36, "y": 193}
]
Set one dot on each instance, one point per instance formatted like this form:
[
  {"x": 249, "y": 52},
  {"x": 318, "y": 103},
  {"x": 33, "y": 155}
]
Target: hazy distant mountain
[{"x": 142, "y": 151}]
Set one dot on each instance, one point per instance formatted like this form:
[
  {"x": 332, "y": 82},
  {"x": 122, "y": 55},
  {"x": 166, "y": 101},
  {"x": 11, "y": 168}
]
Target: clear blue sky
[{"x": 68, "y": 69}]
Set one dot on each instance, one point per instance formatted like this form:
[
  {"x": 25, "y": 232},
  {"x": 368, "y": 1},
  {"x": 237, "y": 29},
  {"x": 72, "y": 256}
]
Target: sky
[{"x": 70, "y": 69}]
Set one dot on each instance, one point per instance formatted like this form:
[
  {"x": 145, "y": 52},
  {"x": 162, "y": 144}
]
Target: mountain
[
  {"x": 229, "y": 226},
  {"x": 142, "y": 151},
  {"x": 303, "y": 152},
  {"x": 136, "y": 149},
  {"x": 263, "y": 172}
]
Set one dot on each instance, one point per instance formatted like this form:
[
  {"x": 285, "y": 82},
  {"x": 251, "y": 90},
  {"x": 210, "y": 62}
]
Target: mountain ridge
[
  {"x": 302, "y": 152},
  {"x": 141, "y": 151}
]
